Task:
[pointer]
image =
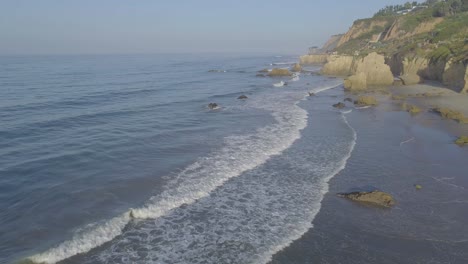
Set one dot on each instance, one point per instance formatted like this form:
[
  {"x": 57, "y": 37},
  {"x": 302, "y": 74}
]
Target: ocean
[{"x": 118, "y": 159}]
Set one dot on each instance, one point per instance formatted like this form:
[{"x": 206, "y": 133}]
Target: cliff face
[
  {"x": 398, "y": 29},
  {"x": 332, "y": 43},
  {"x": 313, "y": 59},
  {"x": 429, "y": 43},
  {"x": 363, "y": 27},
  {"x": 339, "y": 65}
]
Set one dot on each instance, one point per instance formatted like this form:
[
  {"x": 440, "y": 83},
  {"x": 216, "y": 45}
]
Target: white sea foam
[
  {"x": 295, "y": 78},
  {"x": 248, "y": 219},
  {"x": 280, "y": 84},
  {"x": 284, "y": 63},
  {"x": 363, "y": 107},
  {"x": 241, "y": 153}
]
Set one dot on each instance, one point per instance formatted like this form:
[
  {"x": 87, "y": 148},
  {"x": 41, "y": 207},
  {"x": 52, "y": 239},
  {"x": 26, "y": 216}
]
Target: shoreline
[{"x": 409, "y": 150}]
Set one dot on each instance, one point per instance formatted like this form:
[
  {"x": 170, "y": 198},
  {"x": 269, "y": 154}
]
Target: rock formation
[
  {"x": 277, "y": 72},
  {"x": 376, "y": 198},
  {"x": 313, "y": 59},
  {"x": 366, "y": 101},
  {"x": 338, "y": 65},
  {"x": 296, "y": 68}
]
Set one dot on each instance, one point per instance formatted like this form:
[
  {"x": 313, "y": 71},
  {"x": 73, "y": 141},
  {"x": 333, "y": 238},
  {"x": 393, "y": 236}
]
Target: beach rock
[
  {"x": 260, "y": 75},
  {"x": 311, "y": 94},
  {"x": 451, "y": 114},
  {"x": 348, "y": 100},
  {"x": 375, "y": 197},
  {"x": 242, "y": 97},
  {"x": 397, "y": 82},
  {"x": 339, "y": 105},
  {"x": 296, "y": 68},
  {"x": 338, "y": 65},
  {"x": 366, "y": 101},
  {"x": 357, "y": 82},
  {"x": 410, "y": 79},
  {"x": 463, "y": 140},
  {"x": 213, "y": 106},
  {"x": 276, "y": 72}
]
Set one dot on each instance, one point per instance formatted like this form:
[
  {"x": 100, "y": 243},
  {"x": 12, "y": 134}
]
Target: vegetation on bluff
[{"x": 436, "y": 30}]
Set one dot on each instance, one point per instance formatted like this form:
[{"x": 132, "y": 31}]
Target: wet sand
[{"x": 394, "y": 152}]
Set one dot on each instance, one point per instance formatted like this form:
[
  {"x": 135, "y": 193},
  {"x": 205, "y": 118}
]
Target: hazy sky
[{"x": 154, "y": 26}]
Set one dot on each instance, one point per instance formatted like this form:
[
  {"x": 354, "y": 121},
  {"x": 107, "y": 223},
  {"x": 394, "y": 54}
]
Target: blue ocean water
[{"x": 118, "y": 159}]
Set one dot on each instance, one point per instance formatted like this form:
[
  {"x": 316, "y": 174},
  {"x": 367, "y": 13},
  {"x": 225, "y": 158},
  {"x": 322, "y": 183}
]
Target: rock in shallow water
[
  {"x": 366, "y": 101},
  {"x": 213, "y": 106},
  {"x": 242, "y": 97},
  {"x": 375, "y": 197},
  {"x": 339, "y": 105}
]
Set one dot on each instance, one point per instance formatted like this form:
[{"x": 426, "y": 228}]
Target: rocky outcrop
[
  {"x": 296, "y": 68},
  {"x": 338, "y": 65},
  {"x": 339, "y": 105},
  {"x": 455, "y": 76},
  {"x": 277, "y": 72},
  {"x": 451, "y": 114},
  {"x": 366, "y": 101},
  {"x": 369, "y": 71},
  {"x": 313, "y": 59},
  {"x": 357, "y": 82},
  {"x": 213, "y": 106},
  {"x": 463, "y": 140},
  {"x": 415, "y": 70},
  {"x": 376, "y": 198}
]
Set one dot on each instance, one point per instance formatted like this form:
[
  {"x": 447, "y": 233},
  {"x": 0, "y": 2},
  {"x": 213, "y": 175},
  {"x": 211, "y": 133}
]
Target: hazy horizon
[{"x": 149, "y": 27}]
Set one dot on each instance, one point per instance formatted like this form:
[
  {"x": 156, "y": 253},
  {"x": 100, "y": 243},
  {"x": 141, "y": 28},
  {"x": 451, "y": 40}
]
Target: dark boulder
[
  {"x": 213, "y": 106},
  {"x": 242, "y": 97},
  {"x": 348, "y": 100},
  {"x": 339, "y": 105}
]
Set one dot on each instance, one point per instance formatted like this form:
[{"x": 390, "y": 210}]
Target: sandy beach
[{"x": 396, "y": 151}]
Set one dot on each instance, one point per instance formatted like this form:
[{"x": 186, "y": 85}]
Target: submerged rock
[
  {"x": 276, "y": 72},
  {"x": 263, "y": 71},
  {"x": 213, "y": 106},
  {"x": 366, "y": 101},
  {"x": 339, "y": 105},
  {"x": 375, "y": 197},
  {"x": 260, "y": 75},
  {"x": 348, "y": 100},
  {"x": 463, "y": 140},
  {"x": 242, "y": 97}
]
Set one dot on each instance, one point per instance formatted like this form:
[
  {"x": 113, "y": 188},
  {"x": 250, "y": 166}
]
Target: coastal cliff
[{"x": 428, "y": 41}]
